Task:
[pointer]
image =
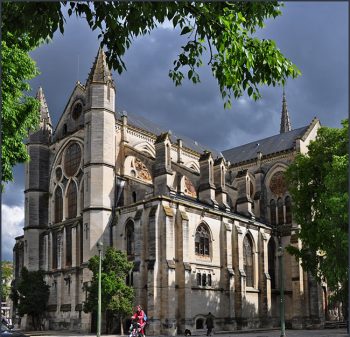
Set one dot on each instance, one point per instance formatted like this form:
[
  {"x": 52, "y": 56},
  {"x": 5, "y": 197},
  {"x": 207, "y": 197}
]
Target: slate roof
[
  {"x": 278, "y": 143},
  {"x": 144, "y": 124}
]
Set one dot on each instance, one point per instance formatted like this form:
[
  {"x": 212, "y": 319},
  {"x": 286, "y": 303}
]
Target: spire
[
  {"x": 100, "y": 72},
  {"x": 45, "y": 119},
  {"x": 285, "y": 121}
]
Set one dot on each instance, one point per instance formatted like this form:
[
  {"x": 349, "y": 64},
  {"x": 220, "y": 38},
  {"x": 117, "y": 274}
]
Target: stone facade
[{"x": 202, "y": 228}]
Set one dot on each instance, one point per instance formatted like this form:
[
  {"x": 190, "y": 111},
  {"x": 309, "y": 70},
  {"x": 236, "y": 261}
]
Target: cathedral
[{"x": 203, "y": 228}]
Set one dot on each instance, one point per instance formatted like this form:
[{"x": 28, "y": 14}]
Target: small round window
[
  {"x": 72, "y": 159},
  {"x": 78, "y": 108}
]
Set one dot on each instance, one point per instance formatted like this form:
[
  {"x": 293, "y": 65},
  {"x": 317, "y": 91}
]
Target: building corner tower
[{"x": 36, "y": 191}]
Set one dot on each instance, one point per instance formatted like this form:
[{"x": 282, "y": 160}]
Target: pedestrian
[{"x": 210, "y": 324}]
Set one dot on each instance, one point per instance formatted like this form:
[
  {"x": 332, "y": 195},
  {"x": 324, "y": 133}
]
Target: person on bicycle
[{"x": 139, "y": 316}]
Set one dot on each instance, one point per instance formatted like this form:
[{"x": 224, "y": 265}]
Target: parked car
[{"x": 6, "y": 331}]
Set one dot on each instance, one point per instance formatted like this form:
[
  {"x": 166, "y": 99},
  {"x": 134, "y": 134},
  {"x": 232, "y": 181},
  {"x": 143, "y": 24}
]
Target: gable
[{"x": 72, "y": 118}]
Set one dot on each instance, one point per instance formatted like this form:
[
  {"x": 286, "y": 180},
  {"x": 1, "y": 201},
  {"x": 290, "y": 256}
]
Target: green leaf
[{"x": 185, "y": 30}]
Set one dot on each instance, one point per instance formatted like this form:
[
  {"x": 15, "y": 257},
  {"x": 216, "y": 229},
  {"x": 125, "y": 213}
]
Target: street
[{"x": 255, "y": 333}]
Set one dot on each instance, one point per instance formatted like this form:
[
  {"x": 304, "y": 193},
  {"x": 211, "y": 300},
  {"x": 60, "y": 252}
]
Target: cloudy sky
[{"x": 314, "y": 35}]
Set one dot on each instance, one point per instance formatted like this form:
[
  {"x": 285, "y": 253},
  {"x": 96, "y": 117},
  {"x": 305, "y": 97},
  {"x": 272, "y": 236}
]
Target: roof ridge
[{"x": 259, "y": 140}]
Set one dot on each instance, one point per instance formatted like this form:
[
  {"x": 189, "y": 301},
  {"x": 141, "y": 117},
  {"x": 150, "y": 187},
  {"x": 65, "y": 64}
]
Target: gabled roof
[
  {"x": 144, "y": 124},
  {"x": 274, "y": 144}
]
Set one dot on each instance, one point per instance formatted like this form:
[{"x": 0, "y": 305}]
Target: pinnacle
[
  {"x": 45, "y": 119},
  {"x": 100, "y": 72},
  {"x": 285, "y": 121}
]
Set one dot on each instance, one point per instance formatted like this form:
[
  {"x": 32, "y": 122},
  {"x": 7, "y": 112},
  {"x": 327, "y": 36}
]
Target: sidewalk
[{"x": 240, "y": 333}]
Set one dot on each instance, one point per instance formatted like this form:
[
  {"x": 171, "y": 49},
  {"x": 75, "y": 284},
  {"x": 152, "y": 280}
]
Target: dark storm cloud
[{"x": 313, "y": 35}]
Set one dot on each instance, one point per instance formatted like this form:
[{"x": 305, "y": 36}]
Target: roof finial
[{"x": 285, "y": 121}]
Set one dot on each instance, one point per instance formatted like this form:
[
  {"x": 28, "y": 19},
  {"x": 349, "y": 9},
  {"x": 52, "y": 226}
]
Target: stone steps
[{"x": 334, "y": 324}]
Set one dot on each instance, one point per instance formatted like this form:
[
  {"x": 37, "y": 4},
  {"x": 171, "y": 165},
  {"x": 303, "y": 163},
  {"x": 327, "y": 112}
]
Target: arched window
[
  {"x": 273, "y": 212},
  {"x": 72, "y": 200},
  {"x": 204, "y": 280},
  {"x": 130, "y": 239},
  {"x": 58, "y": 205},
  {"x": 202, "y": 242},
  {"x": 68, "y": 246},
  {"x": 248, "y": 260},
  {"x": 199, "y": 279},
  {"x": 209, "y": 280},
  {"x": 271, "y": 262},
  {"x": 134, "y": 196},
  {"x": 280, "y": 211},
  {"x": 288, "y": 203}
]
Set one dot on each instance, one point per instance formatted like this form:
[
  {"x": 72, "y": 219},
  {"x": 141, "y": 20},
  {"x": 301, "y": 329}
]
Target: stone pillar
[
  {"x": 206, "y": 182},
  {"x": 264, "y": 279},
  {"x": 240, "y": 275},
  {"x": 75, "y": 250},
  {"x": 244, "y": 202},
  {"x": 153, "y": 265},
  {"x": 46, "y": 254},
  {"x": 230, "y": 310},
  {"x": 162, "y": 172},
  {"x": 219, "y": 179},
  {"x": 124, "y": 141},
  {"x": 138, "y": 279},
  {"x": 298, "y": 300},
  {"x": 184, "y": 270},
  {"x": 179, "y": 151},
  {"x": 169, "y": 298}
]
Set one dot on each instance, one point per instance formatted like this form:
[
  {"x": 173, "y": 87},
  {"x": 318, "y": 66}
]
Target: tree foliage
[
  {"x": 20, "y": 112},
  {"x": 318, "y": 183},
  {"x": 239, "y": 61},
  {"x": 6, "y": 274},
  {"x": 30, "y": 295},
  {"x": 116, "y": 296}
]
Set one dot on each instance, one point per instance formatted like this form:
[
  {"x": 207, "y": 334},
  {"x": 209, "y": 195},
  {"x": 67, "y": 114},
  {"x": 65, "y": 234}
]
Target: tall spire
[
  {"x": 100, "y": 72},
  {"x": 45, "y": 119},
  {"x": 285, "y": 121}
]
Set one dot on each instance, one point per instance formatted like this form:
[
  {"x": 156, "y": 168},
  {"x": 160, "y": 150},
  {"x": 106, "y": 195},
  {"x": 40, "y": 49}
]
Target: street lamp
[
  {"x": 99, "y": 248},
  {"x": 281, "y": 282}
]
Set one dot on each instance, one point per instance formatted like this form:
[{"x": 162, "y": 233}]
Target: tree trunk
[{"x": 121, "y": 326}]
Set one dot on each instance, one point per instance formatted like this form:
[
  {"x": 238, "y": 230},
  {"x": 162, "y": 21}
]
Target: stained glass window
[
  {"x": 72, "y": 159},
  {"x": 72, "y": 200},
  {"x": 130, "y": 239},
  {"x": 58, "y": 205},
  {"x": 288, "y": 204},
  {"x": 273, "y": 212},
  {"x": 202, "y": 242},
  {"x": 271, "y": 262},
  {"x": 280, "y": 211},
  {"x": 248, "y": 260}
]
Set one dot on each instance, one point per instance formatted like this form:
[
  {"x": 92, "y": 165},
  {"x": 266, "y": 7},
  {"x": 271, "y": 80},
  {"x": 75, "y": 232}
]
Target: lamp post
[
  {"x": 281, "y": 282},
  {"x": 99, "y": 248}
]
